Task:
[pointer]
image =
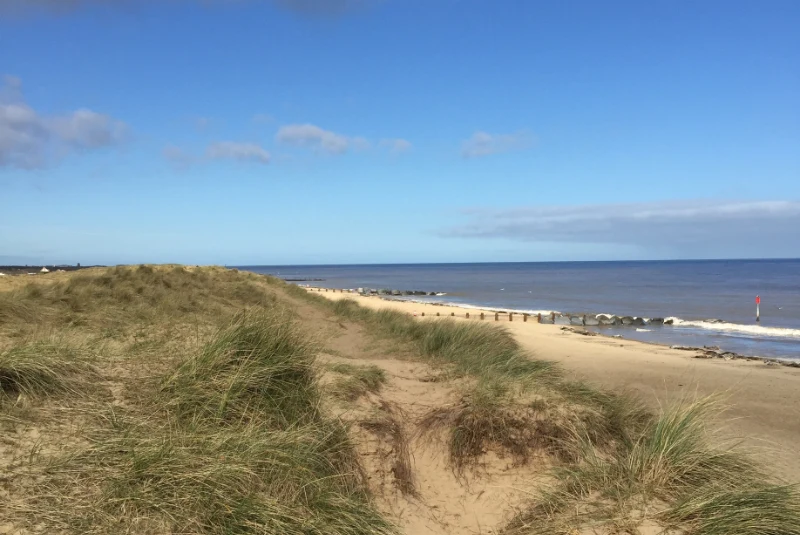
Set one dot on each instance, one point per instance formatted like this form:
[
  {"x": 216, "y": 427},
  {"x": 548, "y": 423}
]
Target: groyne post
[
  {"x": 481, "y": 314},
  {"x": 496, "y": 316},
  {"x": 510, "y": 316},
  {"x": 452, "y": 314},
  {"x": 437, "y": 314},
  {"x": 524, "y": 318},
  {"x": 539, "y": 317},
  {"x": 467, "y": 315},
  {"x": 423, "y": 314}
]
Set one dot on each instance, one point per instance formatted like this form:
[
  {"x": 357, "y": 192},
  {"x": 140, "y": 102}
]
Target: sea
[{"x": 712, "y": 302}]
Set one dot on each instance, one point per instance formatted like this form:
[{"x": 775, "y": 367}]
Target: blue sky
[{"x": 311, "y": 131}]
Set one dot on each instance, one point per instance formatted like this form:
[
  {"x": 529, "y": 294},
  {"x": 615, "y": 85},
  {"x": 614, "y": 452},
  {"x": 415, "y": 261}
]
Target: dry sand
[{"x": 764, "y": 400}]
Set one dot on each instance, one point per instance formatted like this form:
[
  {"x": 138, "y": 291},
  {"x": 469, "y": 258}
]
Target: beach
[{"x": 764, "y": 399}]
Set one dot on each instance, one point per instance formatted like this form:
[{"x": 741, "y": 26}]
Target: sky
[{"x": 246, "y": 132}]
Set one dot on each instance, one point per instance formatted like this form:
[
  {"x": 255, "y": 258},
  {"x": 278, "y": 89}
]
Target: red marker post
[{"x": 758, "y": 304}]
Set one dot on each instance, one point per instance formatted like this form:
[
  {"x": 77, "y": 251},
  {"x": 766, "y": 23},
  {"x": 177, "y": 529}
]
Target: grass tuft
[
  {"x": 671, "y": 475},
  {"x": 358, "y": 380},
  {"x": 260, "y": 367},
  {"x": 46, "y": 367},
  {"x": 387, "y": 426}
]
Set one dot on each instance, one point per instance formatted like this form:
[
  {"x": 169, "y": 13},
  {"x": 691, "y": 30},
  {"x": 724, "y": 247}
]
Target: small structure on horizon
[{"x": 44, "y": 270}]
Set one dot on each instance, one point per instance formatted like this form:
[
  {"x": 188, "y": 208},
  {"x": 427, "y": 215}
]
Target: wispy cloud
[
  {"x": 397, "y": 145},
  {"x": 218, "y": 150},
  {"x": 485, "y": 144},
  {"x": 318, "y": 139},
  {"x": 678, "y": 225},
  {"x": 30, "y": 140},
  {"x": 244, "y": 152},
  {"x": 177, "y": 156}
]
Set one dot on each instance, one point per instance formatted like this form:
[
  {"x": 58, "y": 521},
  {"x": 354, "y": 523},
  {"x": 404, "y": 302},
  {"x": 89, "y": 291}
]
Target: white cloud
[
  {"x": 314, "y": 137},
  {"x": 396, "y": 146},
  {"x": 245, "y": 152},
  {"x": 484, "y": 144},
  {"x": 690, "y": 226},
  {"x": 29, "y": 140}
]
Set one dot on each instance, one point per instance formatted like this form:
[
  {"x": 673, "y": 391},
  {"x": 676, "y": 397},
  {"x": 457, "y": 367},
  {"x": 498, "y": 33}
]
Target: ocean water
[{"x": 692, "y": 292}]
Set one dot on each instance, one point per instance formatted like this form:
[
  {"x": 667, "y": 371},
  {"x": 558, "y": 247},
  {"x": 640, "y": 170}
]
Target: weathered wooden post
[
  {"x": 524, "y": 318},
  {"x": 452, "y": 314},
  {"x": 481, "y": 315},
  {"x": 510, "y": 316},
  {"x": 539, "y": 317},
  {"x": 423, "y": 314},
  {"x": 496, "y": 316},
  {"x": 437, "y": 314},
  {"x": 553, "y": 316},
  {"x": 467, "y": 315}
]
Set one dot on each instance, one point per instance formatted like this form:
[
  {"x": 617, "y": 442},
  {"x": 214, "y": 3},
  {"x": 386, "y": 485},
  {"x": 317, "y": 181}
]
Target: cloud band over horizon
[{"x": 689, "y": 227}]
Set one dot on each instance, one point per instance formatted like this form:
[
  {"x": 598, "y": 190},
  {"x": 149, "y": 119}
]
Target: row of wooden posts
[{"x": 482, "y": 316}]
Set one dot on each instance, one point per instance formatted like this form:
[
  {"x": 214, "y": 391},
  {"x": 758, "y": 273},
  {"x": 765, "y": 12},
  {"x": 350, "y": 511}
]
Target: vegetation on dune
[
  {"x": 356, "y": 380},
  {"x": 231, "y": 439},
  {"x": 46, "y": 366},
  {"x": 212, "y": 421},
  {"x": 672, "y": 476},
  {"x": 239, "y": 447}
]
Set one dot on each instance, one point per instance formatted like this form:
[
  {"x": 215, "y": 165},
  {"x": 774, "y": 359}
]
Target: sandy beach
[{"x": 764, "y": 400}]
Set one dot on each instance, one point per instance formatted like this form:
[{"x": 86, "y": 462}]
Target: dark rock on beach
[
  {"x": 576, "y": 320},
  {"x": 562, "y": 320},
  {"x": 591, "y": 321},
  {"x": 547, "y": 318}
]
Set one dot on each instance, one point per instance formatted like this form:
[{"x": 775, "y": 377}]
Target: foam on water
[{"x": 752, "y": 330}]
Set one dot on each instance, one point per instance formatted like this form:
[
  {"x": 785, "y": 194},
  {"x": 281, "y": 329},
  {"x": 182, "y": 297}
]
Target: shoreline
[
  {"x": 595, "y": 330},
  {"x": 764, "y": 398}
]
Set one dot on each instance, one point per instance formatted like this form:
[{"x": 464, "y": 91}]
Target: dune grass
[
  {"x": 221, "y": 437},
  {"x": 46, "y": 367},
  {"x": 233, "y": 442},
  {"x": 674, "y": 476},
  {"x": 356, "y": 381},
  {"x": 221, "y": 430}
]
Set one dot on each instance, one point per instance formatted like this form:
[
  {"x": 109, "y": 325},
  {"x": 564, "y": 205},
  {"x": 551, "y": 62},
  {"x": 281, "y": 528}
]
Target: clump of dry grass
[
  {"x": 260, "y": 367},
  {"x": 357, "y": 380},
  {"x": 673, "y": 476},
  {"x": 387, "y": 426},
  {"x": 44, "y": 367},
  {"x": 491, "y": 416}
]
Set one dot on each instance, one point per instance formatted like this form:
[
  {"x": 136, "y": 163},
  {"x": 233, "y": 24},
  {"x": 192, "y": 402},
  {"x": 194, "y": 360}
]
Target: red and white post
[{"x": 758, "y": 305}]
